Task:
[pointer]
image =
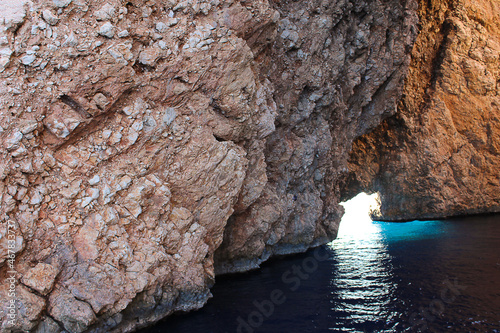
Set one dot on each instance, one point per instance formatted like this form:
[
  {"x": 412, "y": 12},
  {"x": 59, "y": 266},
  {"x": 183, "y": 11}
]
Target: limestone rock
[
  {"x": 326, "y": 95},
  {"x": 149, "y": 56},
  {"x": 62, "y": 120},
  {"x": 107, "y": 12},
  {"x": 5, "y": 54},
  {"x": 107, "y": 30},
  {"x": 199, "y": 143},
  {"x": 61, "y": 3}
]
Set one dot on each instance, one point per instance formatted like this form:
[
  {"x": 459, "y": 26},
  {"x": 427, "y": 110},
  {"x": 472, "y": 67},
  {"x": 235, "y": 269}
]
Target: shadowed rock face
[
  {"x": 337, "y": 69},
  {"x": 148, "y": 145},
  {"x": 439, "y": 155}
]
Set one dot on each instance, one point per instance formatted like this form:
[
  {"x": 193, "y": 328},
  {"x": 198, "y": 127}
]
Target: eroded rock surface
[
  {"x": 139, "y": 136},
  {"x": 440, "y": 155},
  {"x": 338, "y": 69}
]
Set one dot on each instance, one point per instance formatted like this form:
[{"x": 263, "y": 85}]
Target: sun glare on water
[{"x": 363, "y": 269}]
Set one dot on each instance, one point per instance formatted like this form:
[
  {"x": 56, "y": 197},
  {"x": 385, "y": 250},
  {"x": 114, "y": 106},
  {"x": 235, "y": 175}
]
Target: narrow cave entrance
[{"x": 358, "y": 211}]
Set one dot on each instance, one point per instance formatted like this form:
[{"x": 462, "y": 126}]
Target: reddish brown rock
[
  {"x": 148, "y": 146},
  {"x": 25, "y": 311},
  {"x": 439, "y": 155},
  {"x": 40, "y": 278},
  {"x": 127, "y": 132}
]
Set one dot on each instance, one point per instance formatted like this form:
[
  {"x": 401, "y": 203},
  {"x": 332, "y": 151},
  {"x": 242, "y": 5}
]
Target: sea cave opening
[{"x": 357, "y": 218}]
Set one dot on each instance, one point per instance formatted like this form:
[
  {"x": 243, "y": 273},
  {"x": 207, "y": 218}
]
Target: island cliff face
[
  {"x": 439, "y": 156},
  {"x": 147, "y": 146}
]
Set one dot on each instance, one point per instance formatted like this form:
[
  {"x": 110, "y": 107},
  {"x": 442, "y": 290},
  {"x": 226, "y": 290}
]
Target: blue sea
[{"x": 420, "y": 276}]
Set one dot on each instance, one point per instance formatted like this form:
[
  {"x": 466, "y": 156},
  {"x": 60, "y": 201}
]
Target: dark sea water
[{"x": 421, "y": 276}]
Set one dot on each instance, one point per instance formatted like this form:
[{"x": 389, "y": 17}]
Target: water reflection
[{"x": 362, "y": 283}]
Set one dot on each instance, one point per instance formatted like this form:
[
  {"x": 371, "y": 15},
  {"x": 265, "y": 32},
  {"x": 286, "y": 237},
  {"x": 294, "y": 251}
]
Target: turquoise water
[{"x": 421, "y": 276}]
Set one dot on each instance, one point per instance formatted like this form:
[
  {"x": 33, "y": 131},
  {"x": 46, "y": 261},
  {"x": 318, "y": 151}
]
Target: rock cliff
[
  {"x": 149, "y": 145},
  {"x": 439, "y": 156},
  {"x": 337, "y": 69}
]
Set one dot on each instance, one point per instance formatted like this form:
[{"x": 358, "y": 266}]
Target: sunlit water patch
[{"x": 362, "y": 286}]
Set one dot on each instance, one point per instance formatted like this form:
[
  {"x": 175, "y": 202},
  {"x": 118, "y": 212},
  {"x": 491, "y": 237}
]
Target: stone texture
[
  {"x": 49, "y": 17},
  {"x": 40, "y": 278},
  {"x": 74, "y": 315},
  {"x": 439, "y": 156},
  {"x": 207, "y": 138},
  {"x": 123, "y": 166},
  {"x": 13, "y": 13},
  {"x": 337, "y": 69},
  {"x": 28, "y": 308}
]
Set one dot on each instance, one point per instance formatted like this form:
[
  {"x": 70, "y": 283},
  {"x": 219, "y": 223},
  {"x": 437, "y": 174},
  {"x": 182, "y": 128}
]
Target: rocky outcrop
[
  {"x": 337, "y": 69},
  {"x": 439, "y": 156},
  {"x": 137, "y": 137},
  {"x": 125, "y": 146}
]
